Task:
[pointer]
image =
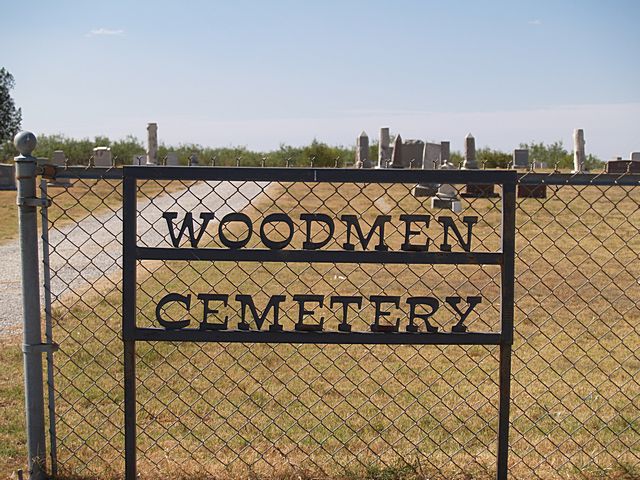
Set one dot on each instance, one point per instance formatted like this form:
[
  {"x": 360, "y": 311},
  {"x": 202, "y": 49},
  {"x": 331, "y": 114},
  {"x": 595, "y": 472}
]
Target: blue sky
[{"x": 261, "y": 73}]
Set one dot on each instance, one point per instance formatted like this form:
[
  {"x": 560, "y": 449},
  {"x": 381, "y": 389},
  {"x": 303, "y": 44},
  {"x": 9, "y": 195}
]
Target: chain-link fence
[{"x": 233, "y": 409}]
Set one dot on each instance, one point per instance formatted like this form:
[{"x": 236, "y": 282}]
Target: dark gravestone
[
  {"x": 474, "y": 190},
  {"x": 7, "y": 177},
  {"x": 623, "y": 166}
]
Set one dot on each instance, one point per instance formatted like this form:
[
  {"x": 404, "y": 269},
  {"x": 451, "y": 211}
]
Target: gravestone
[
  {"x": 172, "y": 159},
  {"x": 521, "y": 158},
  {"x": 430, "y": 161},
  {"x": 412, "y": 153},
  {"x": 384, "y": 149},
  {"x": 578, "y": 151},
  {"x": 362, "y": 151},
  {"x": 624, "y": 166},
  {"x": 102, "y": 157},
  {"x": 152, "y": 144},
  {"x": 445, "y": 153},
  {"x": 396, "y": 159},
  {"x": 470, "y": 162},
  {"x": 7, "y": 176},
  {"x": 447, "y": 195},
  {"x": 59, "y": 159},
  {"x": 474, "y": 190}
]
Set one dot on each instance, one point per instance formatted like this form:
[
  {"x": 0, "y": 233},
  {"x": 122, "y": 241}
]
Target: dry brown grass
[{"x": 575, "y": 382}]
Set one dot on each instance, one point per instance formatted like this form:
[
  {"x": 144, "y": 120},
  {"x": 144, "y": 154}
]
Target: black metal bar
[
  {"x": 503, "y": 420},
  {"x": 129, "y": 220},
  {"x": 508, "y": 246},
  {"x": 336, "y": 337},
  {"x": 130, "y": 450},
  {"x": 602, "y": 179},
  {"x": 339, "y": 175},
  {"x": 319, "y": 256},
  {"x": 101, "y": 173},
  {"x": 507, "y": 290}
]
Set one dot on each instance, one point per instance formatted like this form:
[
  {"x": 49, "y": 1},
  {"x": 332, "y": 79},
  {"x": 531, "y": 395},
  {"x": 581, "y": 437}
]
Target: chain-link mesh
[{"x": 231, "y": 409}]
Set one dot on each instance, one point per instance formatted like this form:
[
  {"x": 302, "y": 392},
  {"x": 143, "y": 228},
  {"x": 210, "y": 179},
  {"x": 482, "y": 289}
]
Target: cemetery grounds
[{"x": 575, "y": 388}]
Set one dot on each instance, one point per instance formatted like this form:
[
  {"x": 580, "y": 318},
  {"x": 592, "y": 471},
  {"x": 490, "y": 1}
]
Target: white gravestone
[
  {"x": 430, "y": 160},
  {"x": 362, "y": 151},
  {"x": 102, "y": 157},
  {"x": 634, "y": 156},
  {"x": 384, "y": 150},
  {"x": 578, "y": 150},
  {"x": 447, "y": 196},
  {"x": 152, "y": 144},
  {"x": 470, "y": 162}
]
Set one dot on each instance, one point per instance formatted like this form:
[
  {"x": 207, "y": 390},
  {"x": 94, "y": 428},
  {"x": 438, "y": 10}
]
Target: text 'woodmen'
[{"x": 325, "y": 227}]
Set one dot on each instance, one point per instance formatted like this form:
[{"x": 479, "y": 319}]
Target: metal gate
[{"x": 286, "y": 237}]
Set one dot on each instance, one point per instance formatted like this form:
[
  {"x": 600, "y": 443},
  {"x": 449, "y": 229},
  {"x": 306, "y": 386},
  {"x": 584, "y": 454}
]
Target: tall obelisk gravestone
[{"x": 474, "y": 190}]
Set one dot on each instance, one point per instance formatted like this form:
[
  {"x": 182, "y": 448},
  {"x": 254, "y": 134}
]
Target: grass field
[
  {"x": 86, "y": 197},
  {"x": 370, "y": 412}
]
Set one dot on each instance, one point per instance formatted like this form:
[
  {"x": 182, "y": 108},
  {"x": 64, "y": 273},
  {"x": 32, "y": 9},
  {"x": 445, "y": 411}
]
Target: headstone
[
  {"x": 474, "y": 190},
  {"x": 193, "y": 160},
  {"x": 396, "y": 160},
  {"x": 7, "y": 176},
  {"x": 384, "y": 150},
  {"x": 578, "y": 151},
  {"x": 532, "y": 191},
  {"x": 470, "y": 162},
  {"x": 447, "y": 195},
  {"x": 172, "y": 159},
  {"x": 430, "y": 161},
  {"x": 152, "y": 143},
  {"x": 59, "y": 159},
  {"x": 623, "y": 166},
  {"x": 412, "y": 153},
  {"x": 521, "y": 158},
  {"x": 445, "y": 153},
  {"x": 102, "y": 157},
  {"x": 634, "y": 156},
  {"x": 362, "y": 151}
]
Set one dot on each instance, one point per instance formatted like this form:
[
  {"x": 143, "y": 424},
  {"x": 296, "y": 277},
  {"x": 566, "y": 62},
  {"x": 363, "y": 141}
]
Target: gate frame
[{"x": 505, "y": 258}]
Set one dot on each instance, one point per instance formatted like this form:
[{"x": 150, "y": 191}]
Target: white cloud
[
  {"x": 105, "y": 31},
  {"x": 535, "y": 22}
]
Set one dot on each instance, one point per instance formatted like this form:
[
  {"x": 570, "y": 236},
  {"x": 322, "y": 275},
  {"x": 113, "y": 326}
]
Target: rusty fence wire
[{"x": 332, "y": 410}]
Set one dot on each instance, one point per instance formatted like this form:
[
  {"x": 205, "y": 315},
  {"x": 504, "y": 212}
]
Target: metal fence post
[{"x": 26, "y": 172}]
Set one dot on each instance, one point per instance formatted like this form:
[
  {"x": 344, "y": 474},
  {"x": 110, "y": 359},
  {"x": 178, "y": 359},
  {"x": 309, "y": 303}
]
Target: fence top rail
[
  {"x": 602, "y": 179},
  {"x": 341, "y": 175},
  {"x": 409, "y": 175}
]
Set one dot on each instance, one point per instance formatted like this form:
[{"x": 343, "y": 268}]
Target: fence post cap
[{"x": 25, "y": 142}]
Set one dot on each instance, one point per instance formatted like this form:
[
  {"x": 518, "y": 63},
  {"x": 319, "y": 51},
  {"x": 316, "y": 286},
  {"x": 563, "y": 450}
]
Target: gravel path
[{"x": 85, "y": 252}]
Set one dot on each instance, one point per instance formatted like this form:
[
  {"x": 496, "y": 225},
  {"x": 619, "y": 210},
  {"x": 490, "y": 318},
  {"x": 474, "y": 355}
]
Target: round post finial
[{"x": 25, "y": 142}]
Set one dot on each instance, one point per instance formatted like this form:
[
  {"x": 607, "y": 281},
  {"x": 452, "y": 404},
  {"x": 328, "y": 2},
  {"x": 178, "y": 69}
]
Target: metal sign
[{"x": 309, "y": 238}]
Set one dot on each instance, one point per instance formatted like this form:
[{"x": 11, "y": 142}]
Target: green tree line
[
  {"x": 79, "y": 151},
  {"x": 124, "y": 151}
]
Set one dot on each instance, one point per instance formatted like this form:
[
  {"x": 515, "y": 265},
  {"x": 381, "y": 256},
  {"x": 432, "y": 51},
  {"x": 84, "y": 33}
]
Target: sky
[{"x": 263, "y": 73}]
